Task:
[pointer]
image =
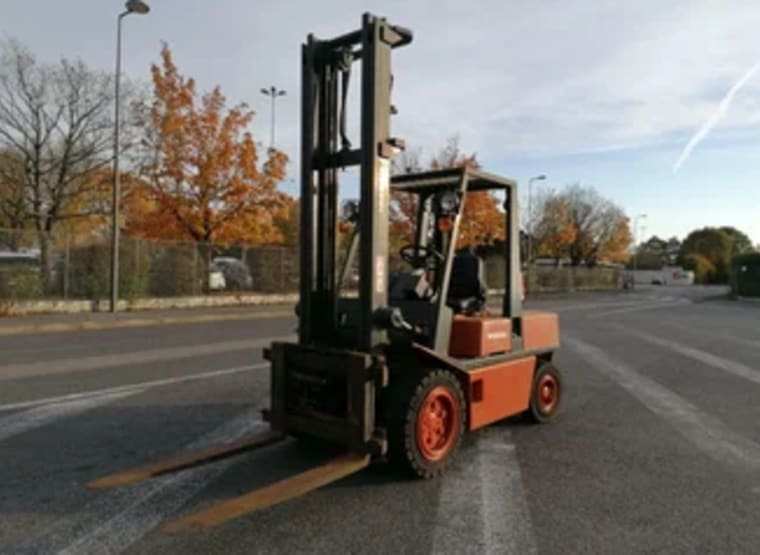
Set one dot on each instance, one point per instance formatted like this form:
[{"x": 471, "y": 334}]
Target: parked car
[
  {"x": 216, "y": 281},
  {"x": 237, "y": 276}
]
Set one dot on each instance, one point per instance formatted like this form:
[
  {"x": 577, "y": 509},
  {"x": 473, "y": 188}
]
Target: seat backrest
[{"x": 467, "y": 283}]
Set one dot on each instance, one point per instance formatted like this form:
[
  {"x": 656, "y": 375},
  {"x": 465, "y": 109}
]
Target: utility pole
[
  {"x": 272, "y": 92},
  {"x": 636, "y": 246},
  {"x": 137, "y": 7}
]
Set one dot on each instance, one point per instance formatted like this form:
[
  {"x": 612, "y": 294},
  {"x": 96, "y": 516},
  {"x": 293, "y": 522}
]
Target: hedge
[{"x": 745, "y": 275}]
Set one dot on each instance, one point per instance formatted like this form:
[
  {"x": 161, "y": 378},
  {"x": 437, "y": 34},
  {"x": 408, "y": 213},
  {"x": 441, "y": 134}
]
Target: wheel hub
[
  {"x": 437, "y": 422},
  {"x": 548, "y": 393}
]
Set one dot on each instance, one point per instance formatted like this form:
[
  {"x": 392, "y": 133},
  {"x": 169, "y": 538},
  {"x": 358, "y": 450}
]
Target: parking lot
[{"x": 657, "y": 448}]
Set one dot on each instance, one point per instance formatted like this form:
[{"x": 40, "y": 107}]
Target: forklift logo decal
[
  {"x": 383, "y": 186},
  {"x": 380, "y": 274}
]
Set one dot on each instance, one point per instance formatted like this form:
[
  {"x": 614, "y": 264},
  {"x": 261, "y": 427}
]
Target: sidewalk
[{"x": 14, "y": 325}]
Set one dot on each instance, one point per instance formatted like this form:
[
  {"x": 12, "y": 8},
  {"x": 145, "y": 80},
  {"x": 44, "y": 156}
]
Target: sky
[{"x": 603, "y": 93}]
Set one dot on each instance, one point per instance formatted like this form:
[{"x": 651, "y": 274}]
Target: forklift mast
[{"x": 325, "y": 150}]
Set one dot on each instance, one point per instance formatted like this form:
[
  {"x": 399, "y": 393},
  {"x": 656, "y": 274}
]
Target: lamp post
[
  {"x": 636, "y": 245},
  {"x": 541, "y": 177},
  {"x": 272, "y": 92},
  {"x": 136, "y": 7}
]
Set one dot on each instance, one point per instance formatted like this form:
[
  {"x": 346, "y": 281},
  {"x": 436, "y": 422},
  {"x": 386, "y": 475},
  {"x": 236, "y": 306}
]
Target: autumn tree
[
  {"x": 717, "y": 245},
  {"x": 554, "y": 231},
  {"x": 583, "y": 226},
  {"x": 202, "y": 178},
  {"x": 482, "y": 219},
  {"x": 740, "y": 242},
  {"x": 288, "y": 221},
  {"x": 704, "y": 270},
  {"x": 57, "y": 121}
]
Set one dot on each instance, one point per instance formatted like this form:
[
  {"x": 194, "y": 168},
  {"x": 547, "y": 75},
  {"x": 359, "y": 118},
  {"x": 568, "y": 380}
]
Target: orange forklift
[{"x": 402, "y": 366}]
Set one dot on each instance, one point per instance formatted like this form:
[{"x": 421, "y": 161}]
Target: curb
[{"x": 58, "y": 327}]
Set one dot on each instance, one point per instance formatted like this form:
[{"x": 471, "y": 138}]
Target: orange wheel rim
[
  {"x": 547, "y": 393},
  {"x": 437, "y": 423}
]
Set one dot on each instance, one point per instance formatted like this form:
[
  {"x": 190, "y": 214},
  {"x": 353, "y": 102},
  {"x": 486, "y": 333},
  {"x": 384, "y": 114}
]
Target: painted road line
[
  {"x": 706, "y": 432},
  {"x": 506, "y": 517},
  {"x": 115, "y": 519},
  {"x": 593, "y": 306},
  {"x": 100, "y": 362},
  {"x": 654, "y": 306},
  {"x": 709, "y": 359},
  {"x": 99, "y": 325},
  {"x": 488, "y": 514},
  {"x": 136, "y": 387},
  {"x": 18, "y": 423},
  {"x": 685, "y": 325}
]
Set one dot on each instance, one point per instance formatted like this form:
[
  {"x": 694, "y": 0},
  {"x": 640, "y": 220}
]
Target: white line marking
[
  {"x": 31, "y": 419},
  {"x": 99, "y": 362},
  {"x": 115, "y": 519},
  {"x": 655, "y": 306},
  {"x": 685, "y": 325},
  {"x": 706, "y": 432},
  {"x": 591, "y": 306},
  {"x": 730, "y": 366},
  {"x": 506, "y": 517},
  {"x": 482, "y": 506},
  {"x": 131, "y": 387}
]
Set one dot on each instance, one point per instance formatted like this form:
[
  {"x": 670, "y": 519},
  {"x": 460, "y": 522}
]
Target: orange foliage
[
  {"x": 555, "y": 230},
  {"x": 482, "y": 222},
  {"x": 581, "y": 225},
  {"x": 482, "y": 219},
  {"x": 87, "y": 211},
  {"x": 615, "y": 247},
  {"x": 203, "y": 180}
]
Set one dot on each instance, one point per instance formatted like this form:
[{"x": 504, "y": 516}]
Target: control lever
[{"x": 391, "y": 317}]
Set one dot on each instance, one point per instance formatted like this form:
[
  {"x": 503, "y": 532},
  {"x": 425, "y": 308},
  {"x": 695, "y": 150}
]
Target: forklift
[{"x": 400, "y": 368}]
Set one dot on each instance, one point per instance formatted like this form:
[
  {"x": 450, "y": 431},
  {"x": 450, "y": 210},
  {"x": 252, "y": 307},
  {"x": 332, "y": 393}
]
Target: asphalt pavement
[{"x": 657, "y": 448}]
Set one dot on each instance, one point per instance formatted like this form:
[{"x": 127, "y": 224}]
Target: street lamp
[
  {"x": 273, "y": 92},
  {"x": 137, "y": 7},
  {"x": 636, "y": 245}
]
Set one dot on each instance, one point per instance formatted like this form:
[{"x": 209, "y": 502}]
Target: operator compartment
[{"x": 479, "y": 336}]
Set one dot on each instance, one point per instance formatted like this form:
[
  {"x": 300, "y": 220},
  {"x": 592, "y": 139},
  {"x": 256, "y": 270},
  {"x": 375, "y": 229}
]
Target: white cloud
[{"x": 518, "y": 77}]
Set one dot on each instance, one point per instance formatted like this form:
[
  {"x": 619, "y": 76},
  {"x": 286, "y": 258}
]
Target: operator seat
[{"x": 467, "y": 286}]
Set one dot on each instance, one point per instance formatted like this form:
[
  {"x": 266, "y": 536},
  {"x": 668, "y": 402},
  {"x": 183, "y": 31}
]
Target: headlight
[
  {"x": 349, "y": 212},
  {"x": 448, "y": 202}
]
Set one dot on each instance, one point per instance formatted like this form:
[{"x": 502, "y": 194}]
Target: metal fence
[{"x": 78, "y": 267}]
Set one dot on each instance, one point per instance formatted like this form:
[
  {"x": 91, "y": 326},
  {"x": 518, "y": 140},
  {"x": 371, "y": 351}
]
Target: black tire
[
  {"x": 545, "y": 403},
  {"x": 428, "y": 456}
]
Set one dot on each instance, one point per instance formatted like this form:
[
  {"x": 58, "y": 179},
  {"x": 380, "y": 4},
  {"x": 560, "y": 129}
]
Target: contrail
[{"x": 716, "y": 117}]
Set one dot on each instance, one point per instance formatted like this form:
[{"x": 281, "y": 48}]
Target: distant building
[{"x": 668, "y": 275}]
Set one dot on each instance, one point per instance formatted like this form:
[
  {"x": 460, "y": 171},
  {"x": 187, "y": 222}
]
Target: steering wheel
[{"x": 417, "y": 255}]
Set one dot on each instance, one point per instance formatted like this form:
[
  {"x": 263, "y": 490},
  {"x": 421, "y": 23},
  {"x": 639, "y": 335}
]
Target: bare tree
[
  {"x": 407, "y": 161},
  {"x": 58, "y": 121},
  {"x": 13, "y": 213}
]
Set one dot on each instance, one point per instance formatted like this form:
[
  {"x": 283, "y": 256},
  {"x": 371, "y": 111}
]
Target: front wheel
[
  {"x": 426, "y": 421},
  {"x": 546, "y": 394}
]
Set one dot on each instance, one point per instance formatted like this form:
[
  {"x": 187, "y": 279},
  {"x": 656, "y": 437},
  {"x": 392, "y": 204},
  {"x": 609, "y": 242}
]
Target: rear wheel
[
  {"x": 425, "y": 422},
  {"x": 546, "y": 395}
]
